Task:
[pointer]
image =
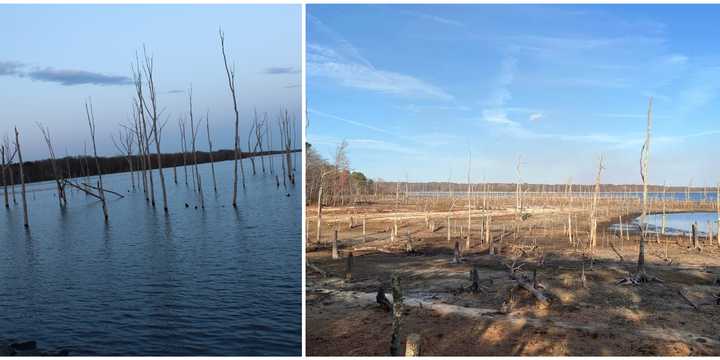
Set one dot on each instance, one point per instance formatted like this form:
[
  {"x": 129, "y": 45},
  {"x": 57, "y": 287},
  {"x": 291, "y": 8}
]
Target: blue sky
[
  {"x": 53, "y": 57},
  {"x": 414, "y": 88}
]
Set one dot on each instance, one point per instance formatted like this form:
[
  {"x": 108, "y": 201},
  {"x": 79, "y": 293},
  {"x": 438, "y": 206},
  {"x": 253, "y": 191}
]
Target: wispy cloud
[
  {"x": 352, "y": 122},
  {"x": 535, "y": 117},
  {"x": 434, "y": 18},
  {"x": 281, "y": 70},
  {"x": 365, "y": 144},
  {"x": 175, "y": 92},
  {"x": 422, "y": 108},
  {"x": 292, "y": 86},
  {"x": 342, "y": 62}
]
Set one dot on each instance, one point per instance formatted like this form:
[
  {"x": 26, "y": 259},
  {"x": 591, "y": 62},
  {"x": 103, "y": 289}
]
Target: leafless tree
[
  {"x": 230, "y": 71},
  {"x": 91, "y": 122},
  {"x": 22, "y": 178},
  {"x": 183, "y": 146},
  {"x": 124, "y": 144},
  {"x": 193, "y": 138},
  {"x": 62, "y": 200},
  {"x": 152, "y": 110},
  {"x": 209, "y": 138},
  {"x": 140, "y": 107},
  {"x": 8, "y": 155},
  {"x": 593, "y": 209},
  {"x": 644, "y": 160}
]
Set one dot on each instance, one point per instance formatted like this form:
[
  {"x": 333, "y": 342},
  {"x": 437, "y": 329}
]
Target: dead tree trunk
[
  {"x": 53, "y": 164},
  {"x": 91, "y": 123},
  {"x": 395, "y": 349},
  {"x": 140, "y": 108},
  {"x": 230, "y": 72},
  {"x": 153, "y": 112},
  {"x": 183, "y": 146},
  {"x": 193, "y": 137},
  {"x": 335, "y": 255},
  {"x": 348, "y": 268},
  {"x": 212, "y": 162},
  {"x": 412, "y": 345},
  {"x": 22, "y": 178},
  {"x": 645, "y": 157}
]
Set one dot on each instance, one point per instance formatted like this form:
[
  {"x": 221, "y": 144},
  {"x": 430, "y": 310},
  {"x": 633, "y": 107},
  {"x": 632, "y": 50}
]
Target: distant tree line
[
  {"x": 338, "y": 182},
  {"x": 81, "y": 166}
]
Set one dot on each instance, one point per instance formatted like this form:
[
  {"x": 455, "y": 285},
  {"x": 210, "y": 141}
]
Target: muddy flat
[{"x": 677, "y": 315}]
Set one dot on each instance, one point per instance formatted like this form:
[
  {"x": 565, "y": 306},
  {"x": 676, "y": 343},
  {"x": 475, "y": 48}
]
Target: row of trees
[{"x": 337, "y": 181}]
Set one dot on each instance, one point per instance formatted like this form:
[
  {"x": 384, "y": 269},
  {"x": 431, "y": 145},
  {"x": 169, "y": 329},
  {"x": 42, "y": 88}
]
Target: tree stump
[
  {"x": 348, "y": 268},
  {"x": 456, "y": 253},
  {"x": 412, "y": 345},
  {"x": 395, "y": 349},
  {"x": 335, "y": 255},
  {"x": 382, "y": 300},
  {"x": 475, "y": 278}
]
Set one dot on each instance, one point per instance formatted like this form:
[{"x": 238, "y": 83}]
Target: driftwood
[
  {"x": 682, "y": 294},
  {"x": 83, "y": 189},
  {"x": 531, "y": 286},
  {"x": 104, "y": 190},
  {"x": 317, "y": 269},
  {"x": 616, "y": 251}
]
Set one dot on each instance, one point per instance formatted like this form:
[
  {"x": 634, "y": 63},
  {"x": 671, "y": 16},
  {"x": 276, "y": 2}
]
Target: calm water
[
  {"x": 217, "y": 281},
  {"x": 681, "y": 223},
  {"x": 710, "y": 195}
]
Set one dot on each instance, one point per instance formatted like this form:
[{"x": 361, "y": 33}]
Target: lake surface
[
  {"x": 218, "y": 281},
  {"x": 681, "y": 223}
]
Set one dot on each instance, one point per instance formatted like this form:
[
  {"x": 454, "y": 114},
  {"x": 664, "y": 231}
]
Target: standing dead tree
[
  {"x": 91, "y": 123},
  {"x": 209, "y": 138},
  {"x": 152, "y": 110},
  {"x": 7, "y": 158},
  {"x": 641, "y": 275},
  {"x": 183, "y": 146},
  {"x": 59, "y": 181},
  {"x": 124, "y": 144},
  {"x": 140, "y": 152},
  {"x": 230, "y": 72},
  {"x": 253, "y": 134},
  {"x": 285, "y": 133},
  {"x": 395, "y": 347},
  {"x": 143, "y": 130},
  {"x": 193, "y": 137},
  {"x": 593, "y": 208},
  {"x": 469, "y": 203},
  {"x": 22, "y": 178}
]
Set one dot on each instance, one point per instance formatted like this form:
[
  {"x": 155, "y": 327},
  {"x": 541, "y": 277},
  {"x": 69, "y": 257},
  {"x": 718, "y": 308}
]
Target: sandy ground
[{"x": 597, "y": 318}]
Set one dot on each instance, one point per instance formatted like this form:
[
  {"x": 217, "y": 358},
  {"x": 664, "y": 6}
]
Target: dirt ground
[{"x": 676, "y": 317}]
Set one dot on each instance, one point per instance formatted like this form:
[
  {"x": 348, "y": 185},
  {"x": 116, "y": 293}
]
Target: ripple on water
[{"x": 218, "y": 281}]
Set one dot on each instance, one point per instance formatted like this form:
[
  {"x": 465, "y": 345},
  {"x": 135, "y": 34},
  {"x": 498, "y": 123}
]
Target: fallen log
[{"x": 105, "y": 190}]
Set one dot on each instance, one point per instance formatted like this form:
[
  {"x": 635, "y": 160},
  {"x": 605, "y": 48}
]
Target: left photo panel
[{"x": 151, "y": 180}]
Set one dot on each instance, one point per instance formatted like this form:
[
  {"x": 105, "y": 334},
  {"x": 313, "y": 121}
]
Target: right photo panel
[{"x": 512, "y": 180}]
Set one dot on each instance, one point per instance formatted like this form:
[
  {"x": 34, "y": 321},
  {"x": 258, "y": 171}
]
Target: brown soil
[{"x": 601, "y": 318}]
